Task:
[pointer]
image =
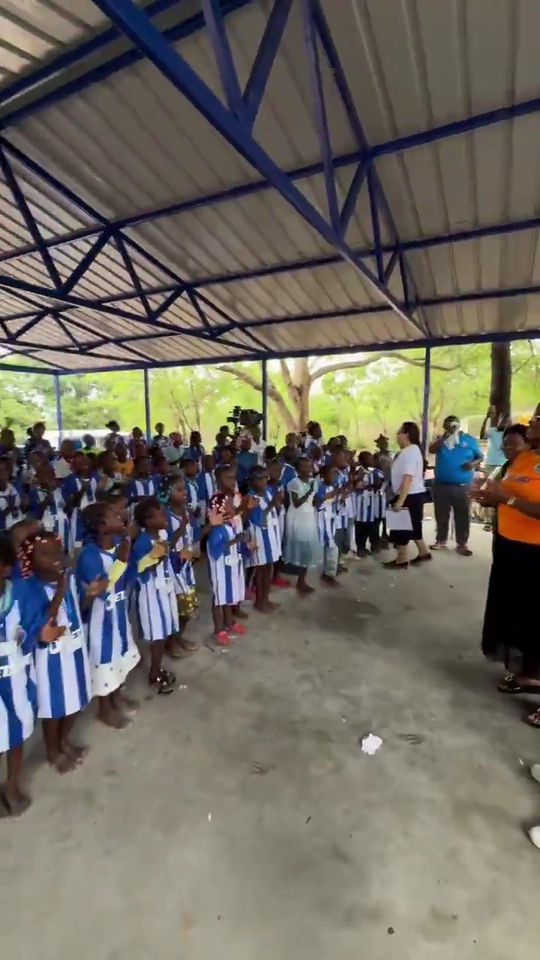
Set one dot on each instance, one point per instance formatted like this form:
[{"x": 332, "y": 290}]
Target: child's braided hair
[{"x": 25, "y": 553}]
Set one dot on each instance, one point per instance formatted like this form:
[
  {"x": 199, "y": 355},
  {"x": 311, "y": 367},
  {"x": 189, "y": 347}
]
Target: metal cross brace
[{"x": 136, "y": 24}]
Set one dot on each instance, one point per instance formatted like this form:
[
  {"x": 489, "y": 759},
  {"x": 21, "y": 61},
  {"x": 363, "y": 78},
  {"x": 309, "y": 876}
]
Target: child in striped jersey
[
  {"x": 20, "y": 628},
  {"x": 226, "y": 560},
  {"x": 102, "y": 582},
  {"x": 325, "y": 502},
  {"x": 78, "y": 490},
  {"x": 62, "y": 671},
  {"x": 180, "y": 533},
  {"x": 370, "y": 504},
  {"x": 46, "y": 504},
  {"x": 206, "y": 484},
  {"x": 156, "y": 599},
  {"x": 142, "y": 484},
  {"x": 190, "y": 471},
  {"x": 276, "y": 472},
  {"x": 110, "y": 479},
  {"x": 10, "y": 500},
  {"x": 264, "y": 532}
]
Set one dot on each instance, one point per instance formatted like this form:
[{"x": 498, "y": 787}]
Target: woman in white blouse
[{"x": 410, "y": 493}]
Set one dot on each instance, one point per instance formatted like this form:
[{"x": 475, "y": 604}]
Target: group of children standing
[{"x": 88, "y": 560}]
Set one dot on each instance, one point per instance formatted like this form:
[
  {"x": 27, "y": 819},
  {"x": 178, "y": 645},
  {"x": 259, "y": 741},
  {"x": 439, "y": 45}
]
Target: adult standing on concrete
[
  {"x": 410, "y": 492},
  {"x": 510, "y": 628},
  {"x": 457, "y": 456}
]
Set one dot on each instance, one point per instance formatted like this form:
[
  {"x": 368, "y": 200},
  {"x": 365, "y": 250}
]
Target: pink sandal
[
  {"x": 222, "y": 639},
  {"x": 238, "y": 628}
]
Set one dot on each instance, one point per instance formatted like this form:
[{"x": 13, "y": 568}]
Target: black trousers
[
  {"x": 448, "y": 497},
  {"x": 367, "y": 530}
]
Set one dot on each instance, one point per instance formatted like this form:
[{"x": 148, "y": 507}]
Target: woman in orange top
[{"x": 511, "y": 628}]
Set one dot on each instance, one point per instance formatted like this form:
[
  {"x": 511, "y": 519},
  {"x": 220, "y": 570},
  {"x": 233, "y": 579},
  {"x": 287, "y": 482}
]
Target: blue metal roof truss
[{"x": 235, "y": 120}]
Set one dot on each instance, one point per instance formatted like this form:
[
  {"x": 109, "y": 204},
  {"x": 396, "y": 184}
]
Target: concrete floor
[{"x": 239, "y": 820}]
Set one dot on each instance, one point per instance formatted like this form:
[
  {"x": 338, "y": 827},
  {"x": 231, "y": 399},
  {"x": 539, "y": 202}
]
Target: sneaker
[
  {"x": 222, "y": 639},
  {"x": 464, "y": 550},
  {"x": 238, "y": 629}
]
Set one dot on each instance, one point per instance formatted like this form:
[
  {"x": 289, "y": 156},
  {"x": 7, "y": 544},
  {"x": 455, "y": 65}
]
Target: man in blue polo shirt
[{"x": 457, "y": 456}]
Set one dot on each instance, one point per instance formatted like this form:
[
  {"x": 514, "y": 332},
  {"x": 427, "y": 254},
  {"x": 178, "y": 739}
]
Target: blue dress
[
  {"x": 62, "y": 669},
  {"x": 71, "y": 486},
  {"x": 52, "y": 515},
  {"x": 156, "y": 599},
  {"x": 111, "y": 648},
  {"x": 20, "y": 623},
  {"x": 226, "y": 566},
  {"x": 264, "y": 530}
]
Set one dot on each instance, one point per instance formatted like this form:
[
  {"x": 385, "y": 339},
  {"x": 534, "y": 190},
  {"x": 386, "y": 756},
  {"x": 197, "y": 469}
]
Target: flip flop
[{"x": 510, "y": 686}]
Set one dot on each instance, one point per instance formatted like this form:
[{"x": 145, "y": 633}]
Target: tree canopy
[{"x": 359, "y": 395}]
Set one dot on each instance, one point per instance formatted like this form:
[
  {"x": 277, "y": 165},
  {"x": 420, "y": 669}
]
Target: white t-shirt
[{"x": 409, "y": 462}]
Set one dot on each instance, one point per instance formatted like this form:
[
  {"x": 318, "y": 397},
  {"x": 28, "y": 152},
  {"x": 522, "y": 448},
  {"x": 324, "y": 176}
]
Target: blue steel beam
[
  {"x": 172, "y": 65},
  {"x": 72, "y": 197},
  {"x": 422, "y": 243},
  {"x": 396, "y": 345},
  {"x": 222, "y": 52},
  {"x": 311, "y": 39},
  {"x": 28, "y": 82},
  {"x": 344, "y": 313},
  {"x": 349, "y": 204},
  {"x": 95, "y": 74},
  {"x": 28, "y": 218},
  {"x": 264, "y": 59},
  {"x": 58, "y": 404},
  {"x": 379, "y": 205}
]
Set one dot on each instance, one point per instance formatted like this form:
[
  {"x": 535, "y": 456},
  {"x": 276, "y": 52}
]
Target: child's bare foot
[
  {"x": 63, "y": 763},
  {"x": 173, "y": 648},
  {"x": 188, "y": 646},
  {"x": 74, "y": 750},
  {"x": 113, "y": 718},
  {"x": 304, "y": 588},
  {"x": 128, "y": 702},
  {"x": 15, "y": 801},
  {"x": 329, "y": 581}
]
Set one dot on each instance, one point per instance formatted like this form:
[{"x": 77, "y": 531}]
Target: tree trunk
[
  {"x": 501, "y": 378},
  {"x": 302, "y": 386}
]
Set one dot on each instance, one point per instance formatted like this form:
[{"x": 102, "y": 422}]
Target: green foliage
[{"x": 358, "y": 401}]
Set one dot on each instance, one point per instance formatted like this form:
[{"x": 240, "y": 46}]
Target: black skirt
[
  {"x": 511, "y": 623},
  {"x": 415, "y": 505}
]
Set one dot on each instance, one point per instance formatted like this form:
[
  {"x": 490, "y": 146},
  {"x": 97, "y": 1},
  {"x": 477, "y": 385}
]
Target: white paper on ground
[
  {"x": 399, "y": 520},
  {"x": 370, "y": 744}
]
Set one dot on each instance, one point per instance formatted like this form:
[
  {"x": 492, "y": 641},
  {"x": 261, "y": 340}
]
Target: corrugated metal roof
[{"x": 130, "y": 143}]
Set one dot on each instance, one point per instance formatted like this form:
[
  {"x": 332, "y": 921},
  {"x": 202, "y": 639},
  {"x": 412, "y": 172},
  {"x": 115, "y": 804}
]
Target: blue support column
[
  {"x": 264, "y": 377},
  {"x": 427, "y": 395},
  {"x": 58, "y": 401},
  {"x": 147, "y": 411}
]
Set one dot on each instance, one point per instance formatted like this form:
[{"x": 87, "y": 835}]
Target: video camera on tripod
[{"x": 243, "y": 419}]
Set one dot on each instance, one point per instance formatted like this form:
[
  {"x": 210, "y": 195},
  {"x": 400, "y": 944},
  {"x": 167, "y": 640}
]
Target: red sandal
[{"x": 237, "y": 628}]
